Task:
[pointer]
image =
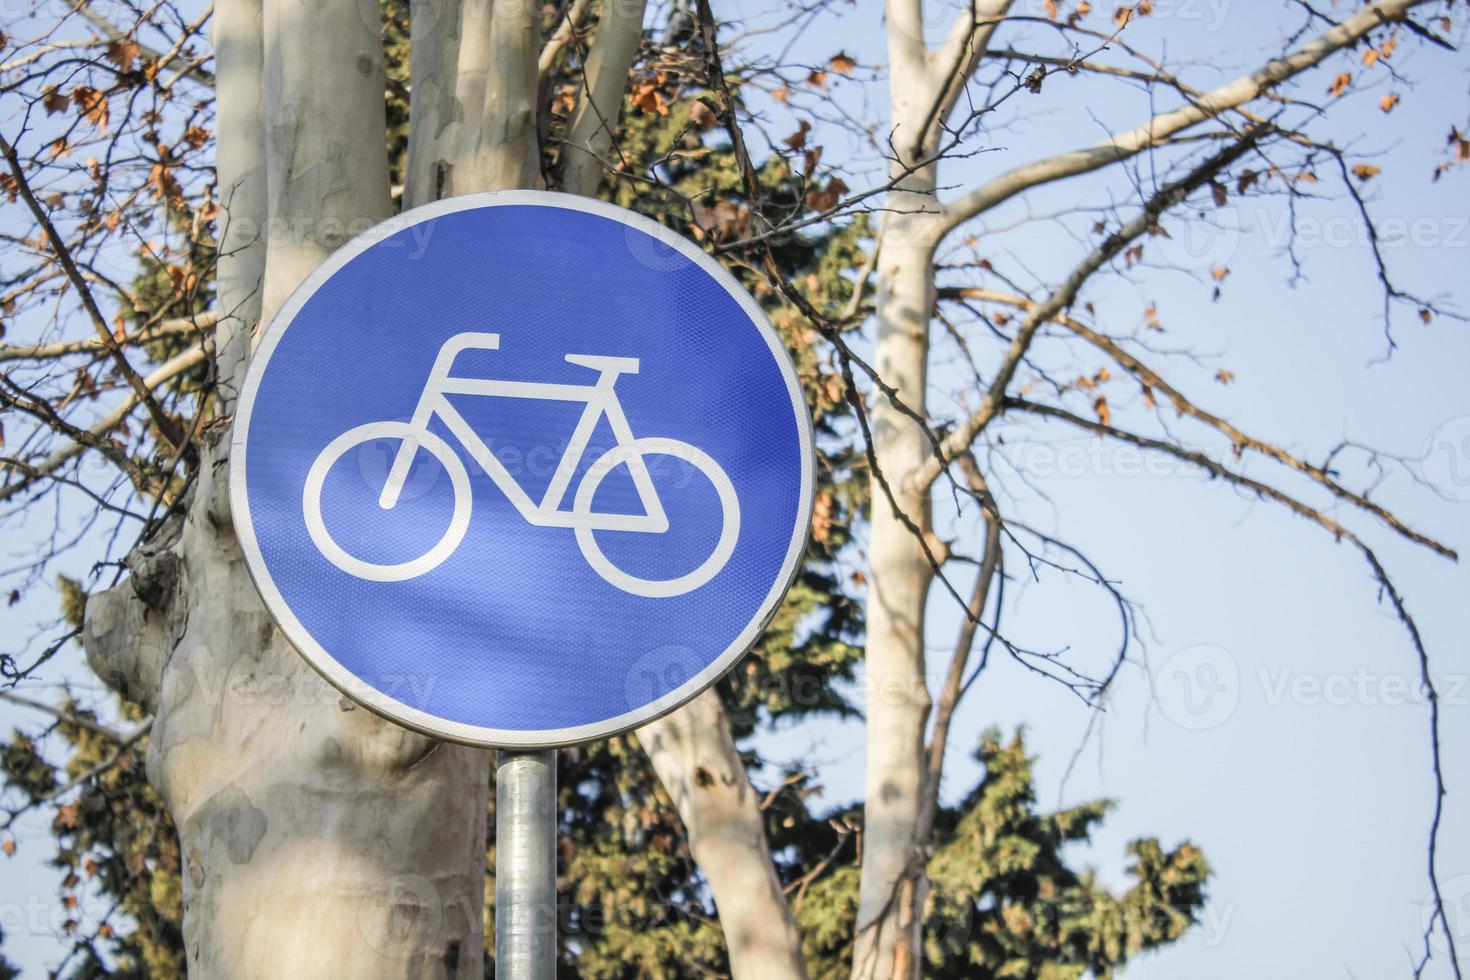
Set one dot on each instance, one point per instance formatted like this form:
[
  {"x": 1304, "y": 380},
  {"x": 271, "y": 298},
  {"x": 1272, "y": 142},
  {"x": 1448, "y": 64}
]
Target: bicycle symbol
[{"x": 601, "y": 401}]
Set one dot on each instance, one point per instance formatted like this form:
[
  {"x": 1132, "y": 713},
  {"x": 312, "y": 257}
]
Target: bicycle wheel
[
  {"x": 659, "y": 588},
  {"x": 311, "y": 503}
]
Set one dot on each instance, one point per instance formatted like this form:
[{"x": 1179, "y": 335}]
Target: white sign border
[{"x": 407, "y": 715}]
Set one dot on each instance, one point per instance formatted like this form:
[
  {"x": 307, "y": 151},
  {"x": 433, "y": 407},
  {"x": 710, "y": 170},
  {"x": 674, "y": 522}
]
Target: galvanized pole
[{"x": 525, "y": 866}]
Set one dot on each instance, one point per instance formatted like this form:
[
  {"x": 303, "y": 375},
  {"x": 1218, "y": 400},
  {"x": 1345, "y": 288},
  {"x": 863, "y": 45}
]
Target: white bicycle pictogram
[{"x": 602, "y": 402}]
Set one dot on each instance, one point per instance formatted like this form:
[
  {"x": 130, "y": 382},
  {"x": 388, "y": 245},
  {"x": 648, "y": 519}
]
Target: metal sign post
[
  {"x": 522, "y": 470},
  {"x": 525, "y": 865}
]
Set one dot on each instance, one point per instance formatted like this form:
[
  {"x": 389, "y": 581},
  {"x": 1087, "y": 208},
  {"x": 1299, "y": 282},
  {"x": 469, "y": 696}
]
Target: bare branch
[
  {"x": 94, "y": 345},
  {"x": 166, "y": 426},
  {"x": 1153, "y": 382},
  {"x": 93, "y": 437},
  {"x": 1160, "y": 128},
  {"x": 1380, "y": 575},
  {"x": 955, "y": 60},
  {"x": 960, "y": 438},
  {"x": 64, "y": 715}
]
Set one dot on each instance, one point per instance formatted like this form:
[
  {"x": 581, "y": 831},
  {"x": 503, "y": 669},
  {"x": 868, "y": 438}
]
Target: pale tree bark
[
  {"x": 326, "y": 164},
  {"x": 700, "y": 768},
  {"x": 239, "y": 51},
  {"x": 921, "y": 91},
  {"x": 499, "y": 146},
  {"x": 899, "y": 577},
  {"x": 470, "y": 78},
  {"x": 433, "y": 60},
  {"x": 564, "y": 36},
  {"x": 589, "y": 137},
  {"x": 317, "y": 839}
]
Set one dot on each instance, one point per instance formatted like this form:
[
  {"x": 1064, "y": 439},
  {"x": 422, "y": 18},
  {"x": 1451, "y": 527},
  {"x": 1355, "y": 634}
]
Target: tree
[
  {"x": 912, "y": 453},
  {"x": 110, "y": 154}
]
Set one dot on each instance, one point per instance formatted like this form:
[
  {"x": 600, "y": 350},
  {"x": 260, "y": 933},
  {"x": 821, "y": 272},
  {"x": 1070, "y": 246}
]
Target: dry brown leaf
[
  {"x": 93, "y": 105},
  {"x": 1462, "y": 147},
  {"x": 827, "y": 198},
  {"x": 53, "y": 100},
  {"x": 648, "y": 98},
  {"x": 123, "y": 53},
  {"x": 797, "y": 140},
  {"x": 822, "y": 517},
  {"x": 1151, "y": 318}
]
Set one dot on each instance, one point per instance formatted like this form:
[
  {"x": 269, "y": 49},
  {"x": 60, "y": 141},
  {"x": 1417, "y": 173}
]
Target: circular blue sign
[{"x": 521, "y": 469}]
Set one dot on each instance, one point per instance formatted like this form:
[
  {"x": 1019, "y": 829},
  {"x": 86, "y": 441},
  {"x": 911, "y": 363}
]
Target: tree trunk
[
  {"x": 239, "y": 50},
  {"x": 590, "y": 134},
  {"x": 696, "y": 760},
  {"x": 433, "y": 60},
  {"x": 898, "y": 699},
  {"x": 500, "y": 149},
  {"x": 317, "y": 839}
]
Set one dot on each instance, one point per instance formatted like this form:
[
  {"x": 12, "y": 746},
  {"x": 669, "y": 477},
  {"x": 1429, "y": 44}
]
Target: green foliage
[
  {"x": 395, "y": 60},
  {"x": 1003, "y": 900},
  {"x": 1032, "y": 917},
  {"x": 633, "y": 904},
  {"x": 116, "y": 849},
  {"x": 73, "y": 600}
]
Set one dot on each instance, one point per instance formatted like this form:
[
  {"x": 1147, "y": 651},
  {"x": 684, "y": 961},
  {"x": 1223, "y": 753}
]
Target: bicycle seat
[{"x": 605, "y": 363}]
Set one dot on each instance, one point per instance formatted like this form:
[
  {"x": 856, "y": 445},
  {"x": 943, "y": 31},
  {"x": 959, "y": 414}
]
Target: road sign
[{"x": 521, "y": 469}]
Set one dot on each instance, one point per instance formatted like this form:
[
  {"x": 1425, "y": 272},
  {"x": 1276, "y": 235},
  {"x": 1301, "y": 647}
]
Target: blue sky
[{"x": 1283, "y": 734}]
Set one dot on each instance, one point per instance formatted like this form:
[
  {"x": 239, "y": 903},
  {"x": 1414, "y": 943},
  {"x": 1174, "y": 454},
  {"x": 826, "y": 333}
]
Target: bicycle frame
[{"x": 601, "y": 401}]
